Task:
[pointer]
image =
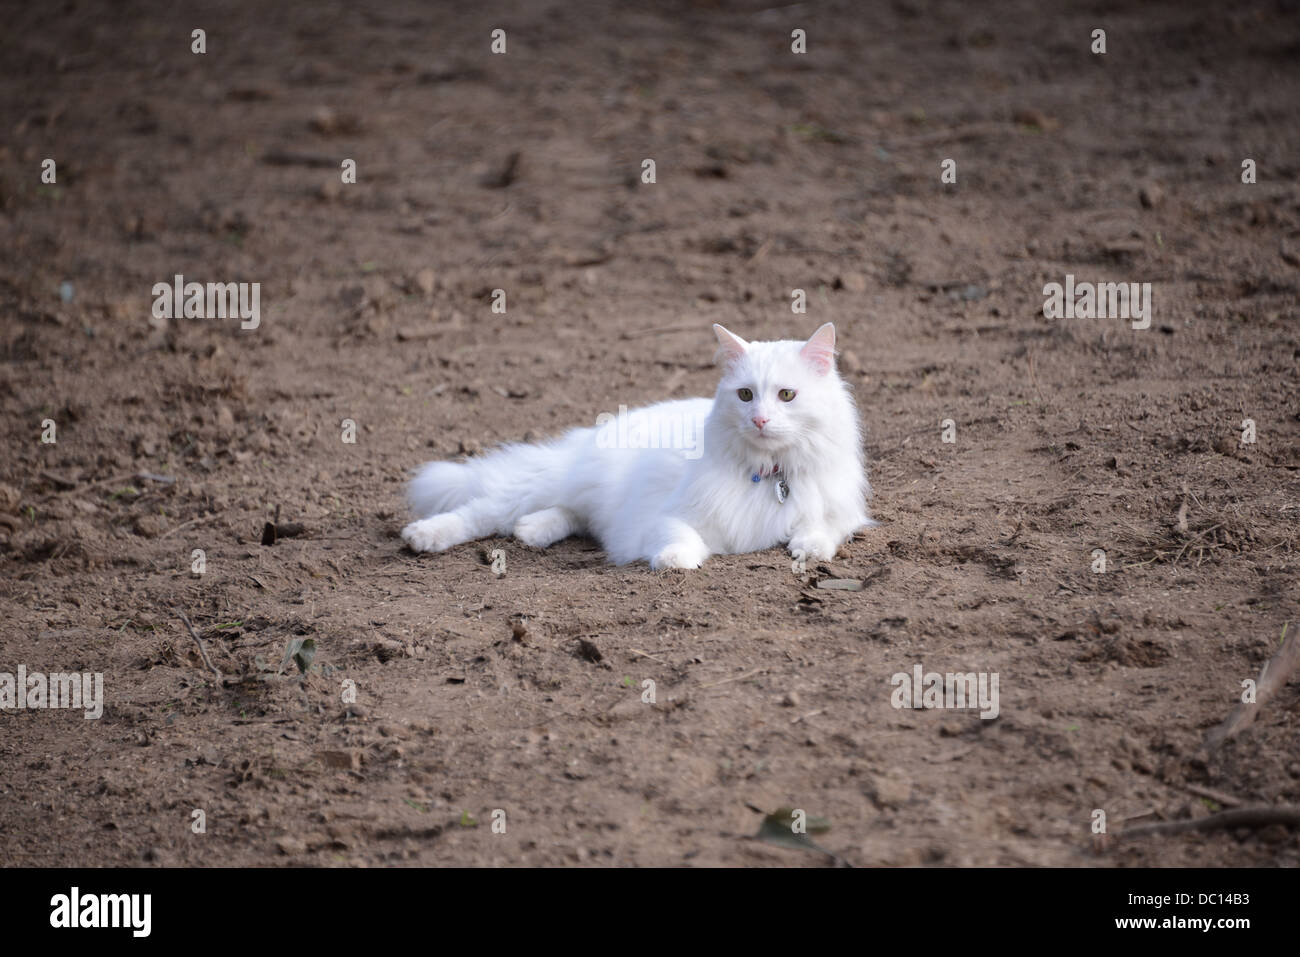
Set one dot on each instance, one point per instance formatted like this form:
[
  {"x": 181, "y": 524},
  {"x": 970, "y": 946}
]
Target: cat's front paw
[
  {"x": 813, "y": 545},
  {"x": 435, "y": 534},
  {"x": 680, "y": 555}
]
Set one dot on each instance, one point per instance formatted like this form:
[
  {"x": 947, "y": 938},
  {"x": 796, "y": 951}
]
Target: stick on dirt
[
  {"x": 1219, "y": 797},
  {"x": 1240, "y": 817},
  {"x": 1277, "y": 672},
  {"x": 198, "y": 641}
]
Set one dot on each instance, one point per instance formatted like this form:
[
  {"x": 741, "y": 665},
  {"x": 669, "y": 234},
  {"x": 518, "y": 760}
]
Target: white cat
[{"x": 775, "y": 457}]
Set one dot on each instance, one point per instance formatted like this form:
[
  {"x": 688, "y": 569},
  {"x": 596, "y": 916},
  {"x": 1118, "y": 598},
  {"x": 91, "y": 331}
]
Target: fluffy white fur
[{"x": 674, "y": 507}]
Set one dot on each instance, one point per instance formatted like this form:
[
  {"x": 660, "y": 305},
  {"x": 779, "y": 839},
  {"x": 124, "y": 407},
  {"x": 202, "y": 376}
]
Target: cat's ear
[
  {"x": 730, "y": 346},
  {"x": 819, "y": 351}
]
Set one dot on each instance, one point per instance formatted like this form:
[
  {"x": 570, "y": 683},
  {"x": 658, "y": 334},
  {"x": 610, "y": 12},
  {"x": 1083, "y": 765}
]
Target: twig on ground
[
  {"x": 1219, "y": 797},
  {"x": 198, "y": 641},
  {"x": 68, "y": 485},
  {"x": 1277, "y": 672},
  {"x": 661, "y": 331},
  {"x": 1241, "y": 817},
  {"x": 748, "y": 674},
  {"x": 173, "y": 531},
  {"x": 1033, "y": 377}
]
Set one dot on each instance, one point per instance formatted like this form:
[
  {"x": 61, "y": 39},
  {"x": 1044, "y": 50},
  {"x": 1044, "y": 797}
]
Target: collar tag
[{"x": 781, "y": 486}]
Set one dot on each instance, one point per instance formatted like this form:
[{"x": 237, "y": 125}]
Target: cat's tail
[{"x": 499, "y": 487}]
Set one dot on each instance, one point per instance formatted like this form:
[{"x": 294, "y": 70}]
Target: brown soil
[{"x": 775, "y": 171}]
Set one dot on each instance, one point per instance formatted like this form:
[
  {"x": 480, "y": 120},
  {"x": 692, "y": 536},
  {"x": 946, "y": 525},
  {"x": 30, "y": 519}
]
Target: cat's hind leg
[
  {"x": 476, "y": 519},
  {"x": 546, "y": 527}
]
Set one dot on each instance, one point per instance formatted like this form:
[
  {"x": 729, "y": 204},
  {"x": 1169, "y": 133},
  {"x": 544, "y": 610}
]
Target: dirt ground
[{"x": 522, "y": 693}]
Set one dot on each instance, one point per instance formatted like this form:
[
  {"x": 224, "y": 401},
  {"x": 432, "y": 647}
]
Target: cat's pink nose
[{"x": 759, "y": 421}]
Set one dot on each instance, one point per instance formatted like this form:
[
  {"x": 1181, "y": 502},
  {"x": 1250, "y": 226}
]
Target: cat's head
[{"x": 774, "y": 394}]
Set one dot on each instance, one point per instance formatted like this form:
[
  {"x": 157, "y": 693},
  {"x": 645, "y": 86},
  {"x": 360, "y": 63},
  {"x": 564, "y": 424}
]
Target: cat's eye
[
  {"x": 746, "y": 395},
  {"x": 785, "y": 395}
]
